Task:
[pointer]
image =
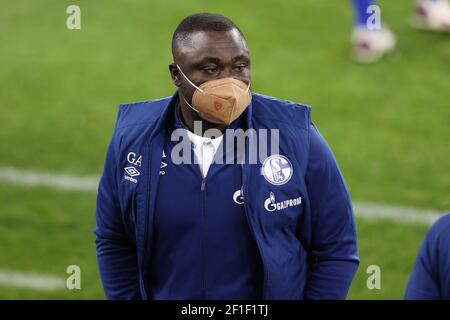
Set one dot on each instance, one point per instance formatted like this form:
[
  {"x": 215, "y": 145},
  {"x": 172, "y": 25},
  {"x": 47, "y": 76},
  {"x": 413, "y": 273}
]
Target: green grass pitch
[{"x": 387, "y": 123}]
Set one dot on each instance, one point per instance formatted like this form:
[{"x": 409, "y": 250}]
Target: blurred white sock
[{"x": 431, "y": 15}]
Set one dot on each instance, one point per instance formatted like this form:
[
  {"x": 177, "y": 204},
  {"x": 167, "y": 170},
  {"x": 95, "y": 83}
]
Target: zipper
[
  {"x": 202, "y": 189},
  {"x": 244, "y": 195}
]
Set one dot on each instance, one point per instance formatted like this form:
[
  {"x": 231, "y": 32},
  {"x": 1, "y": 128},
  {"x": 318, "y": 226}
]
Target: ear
[{"x": 175, "y": 74}]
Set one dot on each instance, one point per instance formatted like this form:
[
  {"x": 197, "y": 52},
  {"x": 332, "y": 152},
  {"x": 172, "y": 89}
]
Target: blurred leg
[
  {"x": 369, "y": 45},
  {"x": 360, "y": 10}
]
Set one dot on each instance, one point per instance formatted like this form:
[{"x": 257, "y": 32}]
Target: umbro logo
[{"x": 132, "y": 171}]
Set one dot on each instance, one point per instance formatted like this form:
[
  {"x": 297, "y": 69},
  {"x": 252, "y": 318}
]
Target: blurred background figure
[
  {"x": 370, "y": 45},
  {"x": 430, "y": 279}
]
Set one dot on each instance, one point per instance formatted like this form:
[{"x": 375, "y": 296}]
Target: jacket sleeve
[
  {"x": 116, "y": 252},
  {"x": 333, "y": 244}
]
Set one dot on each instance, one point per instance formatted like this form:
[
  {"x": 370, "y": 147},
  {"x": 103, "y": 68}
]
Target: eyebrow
[{"x": 218, "y": 61}]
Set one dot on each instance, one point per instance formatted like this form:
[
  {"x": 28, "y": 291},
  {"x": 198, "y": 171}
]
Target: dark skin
[{"x": 206, "y": 56}]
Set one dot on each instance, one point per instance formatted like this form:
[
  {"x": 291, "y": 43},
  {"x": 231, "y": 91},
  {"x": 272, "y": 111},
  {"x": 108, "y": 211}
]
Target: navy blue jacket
[
  {"x": 430, "y": 279},
  {"x": 308, "y": 251}
]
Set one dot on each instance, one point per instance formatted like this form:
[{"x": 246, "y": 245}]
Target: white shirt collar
[{"x": 198, "y": 141}]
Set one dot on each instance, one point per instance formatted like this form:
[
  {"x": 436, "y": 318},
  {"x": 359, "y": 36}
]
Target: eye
[
  {"x": 240, "y": 67},
  {"x": 210, "y": 70}
]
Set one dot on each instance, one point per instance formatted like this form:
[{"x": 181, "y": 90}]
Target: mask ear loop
[
  {"x": 190, "y": 105},
  {"x": 248, "y": 87},
  {"x": 189, "y": 80},
  {"x": 192, "y": 84}
]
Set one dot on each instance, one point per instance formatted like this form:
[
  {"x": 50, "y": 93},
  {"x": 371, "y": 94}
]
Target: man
[
  {"x": 281, "y": 227},
  {"x": 430, "y": 279}
]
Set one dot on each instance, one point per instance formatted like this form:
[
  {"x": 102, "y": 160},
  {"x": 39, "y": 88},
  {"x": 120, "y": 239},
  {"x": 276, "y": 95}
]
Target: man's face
[{"x": 209, "y": 56}]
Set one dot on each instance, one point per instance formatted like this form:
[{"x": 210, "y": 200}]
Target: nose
[{"x": 227, "y": 73}]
